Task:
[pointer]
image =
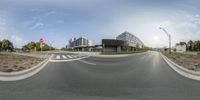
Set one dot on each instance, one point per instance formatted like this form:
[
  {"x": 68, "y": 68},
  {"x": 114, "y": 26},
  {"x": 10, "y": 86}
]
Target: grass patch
[{"x": 8, "y": 70}]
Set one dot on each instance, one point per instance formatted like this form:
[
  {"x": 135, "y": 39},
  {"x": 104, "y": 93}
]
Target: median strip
[{"x": 14, "y": 76}]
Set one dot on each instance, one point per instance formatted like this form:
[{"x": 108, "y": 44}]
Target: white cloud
[
  {"x": 182, "y": 26},
  {"x": 38, "y": 25}
]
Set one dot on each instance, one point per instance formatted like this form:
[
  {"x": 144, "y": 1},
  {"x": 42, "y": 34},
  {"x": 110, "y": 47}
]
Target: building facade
[
  {"x": 181, "y": 47},
  {"x": 80, "y": 44},
  {"x": 132, "y": 40},
  {"x": 112, "y": 45}
]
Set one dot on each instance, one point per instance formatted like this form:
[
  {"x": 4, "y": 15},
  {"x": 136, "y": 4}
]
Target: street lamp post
[{"x": 169, "y": 38}]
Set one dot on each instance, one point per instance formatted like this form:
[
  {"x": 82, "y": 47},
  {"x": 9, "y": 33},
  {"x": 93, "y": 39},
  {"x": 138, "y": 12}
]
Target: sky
[{"x": 22, "y": 21}]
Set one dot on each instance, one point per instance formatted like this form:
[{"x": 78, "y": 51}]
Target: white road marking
[
  {"x": 74, "y": 56},
  {"x": 66, "y": 60},
  {"x": 69, "y": 56},
  {"x": 58, "y": 57},
  {"x": 87, "y": 62},
  {"x": 64, "y": 56}
]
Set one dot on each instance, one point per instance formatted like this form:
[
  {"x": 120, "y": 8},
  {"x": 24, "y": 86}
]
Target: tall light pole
[{"x": 169, "y": 38}]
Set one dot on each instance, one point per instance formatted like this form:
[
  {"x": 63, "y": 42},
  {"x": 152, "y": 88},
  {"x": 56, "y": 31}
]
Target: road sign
[{"x": 41, "y": 40}]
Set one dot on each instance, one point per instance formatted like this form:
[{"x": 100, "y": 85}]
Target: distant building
[
  {"x": 132, "y": 40},
  {"x": 123, "y": 42},
  {"x": 112, "y": 45},
  {"x": 181, "y": 47},
  {"x": 80, "y": 44}
]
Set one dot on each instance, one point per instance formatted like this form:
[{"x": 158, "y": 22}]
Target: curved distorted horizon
[{"x": 23, "y": 21}]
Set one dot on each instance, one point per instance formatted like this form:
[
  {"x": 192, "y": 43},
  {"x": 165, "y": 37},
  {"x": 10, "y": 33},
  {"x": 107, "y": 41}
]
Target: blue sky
[{"x": 57, "y": 21}]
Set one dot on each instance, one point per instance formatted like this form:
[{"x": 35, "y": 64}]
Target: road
[{"x": 139, "y": 77}]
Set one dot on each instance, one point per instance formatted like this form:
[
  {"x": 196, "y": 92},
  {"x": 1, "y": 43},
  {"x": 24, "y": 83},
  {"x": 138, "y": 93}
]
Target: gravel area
[
  {"x": 10, "y": 62},
  {"x": 191, "y": 62}
]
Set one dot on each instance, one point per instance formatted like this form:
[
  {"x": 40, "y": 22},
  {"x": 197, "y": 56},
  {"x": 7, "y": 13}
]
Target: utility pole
[{"x": 169, "y": 36}]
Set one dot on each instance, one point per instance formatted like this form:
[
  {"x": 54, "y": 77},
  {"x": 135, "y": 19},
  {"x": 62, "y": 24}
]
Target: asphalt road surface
[{"x": 139, "y": 77}]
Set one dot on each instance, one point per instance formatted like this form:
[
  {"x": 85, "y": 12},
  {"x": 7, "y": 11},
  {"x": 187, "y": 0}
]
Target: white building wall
[{"x": 180, "y": 48}]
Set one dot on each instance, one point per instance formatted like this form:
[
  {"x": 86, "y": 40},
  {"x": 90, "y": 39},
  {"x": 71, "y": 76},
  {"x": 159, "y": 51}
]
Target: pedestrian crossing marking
[
  {"x": 58, "y": 57},
  {"x": 69, "y": 56},
  {"x": 74, "y": 56},
  {"x": 64, "y": 56}
]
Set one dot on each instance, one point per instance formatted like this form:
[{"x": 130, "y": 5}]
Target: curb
[
  {"x": 117, "y": 56},
  {"x": 15, "y": 76},
  {"x": 181, "y": 70}
]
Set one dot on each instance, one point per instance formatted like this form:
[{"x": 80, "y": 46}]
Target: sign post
[{"x": 41, "y": 43}]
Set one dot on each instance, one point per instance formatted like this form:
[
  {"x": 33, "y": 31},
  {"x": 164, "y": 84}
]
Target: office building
[
  {"x": 132, "y": 40},
  {"x": 112, "y": 45},
  {"x": 80, "y": 44}
]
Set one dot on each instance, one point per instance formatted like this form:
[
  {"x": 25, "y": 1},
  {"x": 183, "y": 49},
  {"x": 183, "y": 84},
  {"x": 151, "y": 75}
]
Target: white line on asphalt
[
  {"x": 87, "y": 62},
  {"x": 66, "y": 60},
  {"x": 64, "y": 56},
  {"x": 73, "y": 56},
  {"x": 58, "y": 57},
  {"x": 69, "y": 56}
]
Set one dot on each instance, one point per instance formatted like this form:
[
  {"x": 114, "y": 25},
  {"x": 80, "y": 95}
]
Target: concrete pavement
[{"x": 139, "y": 77}]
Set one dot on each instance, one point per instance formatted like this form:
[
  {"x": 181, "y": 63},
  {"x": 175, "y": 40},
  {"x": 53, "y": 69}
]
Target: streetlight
[{"x": 169, "y": 38}]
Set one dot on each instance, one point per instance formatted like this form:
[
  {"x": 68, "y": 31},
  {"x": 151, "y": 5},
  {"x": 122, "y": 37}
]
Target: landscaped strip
[
  {"x": 181, "y": 70},
  {"x": 10, "y": 62},
  {"x": 188, "y": 61},
  {"x": 23, "y": 74}
]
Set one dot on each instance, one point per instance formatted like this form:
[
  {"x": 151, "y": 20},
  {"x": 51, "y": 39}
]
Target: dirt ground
[
  {"x": 191, "y": 62},
  {"x": 11, "y": 62}
]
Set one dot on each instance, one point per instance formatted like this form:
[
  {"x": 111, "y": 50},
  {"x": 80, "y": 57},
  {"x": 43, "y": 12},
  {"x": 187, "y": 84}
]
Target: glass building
[{"x": 132, "y": 40}]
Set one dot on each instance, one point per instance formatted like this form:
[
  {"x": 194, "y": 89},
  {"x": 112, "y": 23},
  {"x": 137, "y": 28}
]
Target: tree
[
  {"x": 0, "y": 45},
  {"x": 190, "y": 45},
  {"x": 37, "y": 44},
  {"x": 198, "y": 45},
  {"x": 25, "y": 48},
  {"x": 195, "y": 46},
  {"x": 45, "y": 47},
  {"x": 7, "y": 45},
  {"x": 31, "y": 45}
]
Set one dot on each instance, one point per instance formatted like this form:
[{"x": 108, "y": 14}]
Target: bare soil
[
  {"x": 191, "y": 62},
  {"x": 10, "y": 62}
]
